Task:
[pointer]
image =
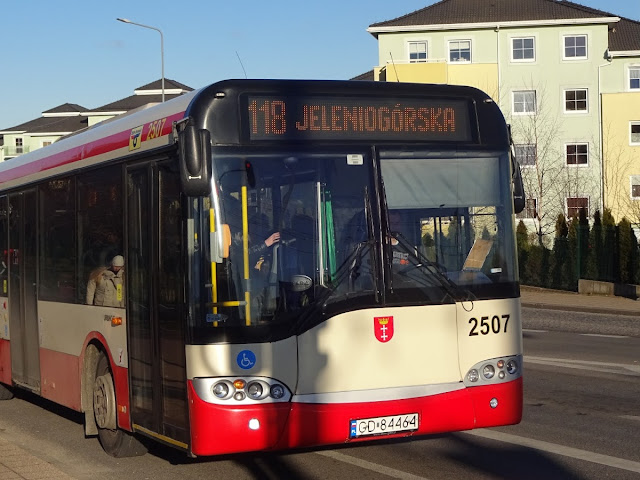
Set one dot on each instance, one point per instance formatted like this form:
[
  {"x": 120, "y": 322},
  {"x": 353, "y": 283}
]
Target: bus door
[
  {"x": 23, "y": 312},
  {"x": 155, "y": 308}
]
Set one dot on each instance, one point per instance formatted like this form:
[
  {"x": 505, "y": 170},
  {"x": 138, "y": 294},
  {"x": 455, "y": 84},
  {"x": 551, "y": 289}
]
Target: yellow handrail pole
[
  {"x": 245, "y": 251},
  {"x": 214, "y": 276}
]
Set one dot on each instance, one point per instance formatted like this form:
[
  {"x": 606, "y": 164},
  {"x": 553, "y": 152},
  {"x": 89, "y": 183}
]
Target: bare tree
[
  {"x": 548, "y": 178},
  {"x": 541, "y": 128}
]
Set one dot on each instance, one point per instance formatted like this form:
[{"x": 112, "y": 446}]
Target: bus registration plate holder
[{"x": 384, "y": 425}]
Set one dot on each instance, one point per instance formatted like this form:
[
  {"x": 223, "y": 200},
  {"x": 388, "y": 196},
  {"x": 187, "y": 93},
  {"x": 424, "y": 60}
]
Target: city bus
[{"x": 283, "y": 264}]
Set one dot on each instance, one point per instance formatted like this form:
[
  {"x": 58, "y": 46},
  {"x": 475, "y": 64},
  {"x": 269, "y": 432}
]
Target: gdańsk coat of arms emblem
[{"x": 383, "y": 328}]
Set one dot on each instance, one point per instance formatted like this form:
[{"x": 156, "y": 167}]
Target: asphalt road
[{"x": 581, "y": 421}]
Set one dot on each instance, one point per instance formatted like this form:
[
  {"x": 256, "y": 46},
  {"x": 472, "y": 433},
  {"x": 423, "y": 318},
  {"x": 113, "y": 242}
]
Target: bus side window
[
  {"x": 57, "y": 240},
  {"x": 100, "y": 223}
]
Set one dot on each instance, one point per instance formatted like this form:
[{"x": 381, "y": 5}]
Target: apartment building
[
  {"x": 70, "y": 117},
  {"x": 567, "y": 78}
]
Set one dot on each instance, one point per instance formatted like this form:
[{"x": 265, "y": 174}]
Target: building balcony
[
  {"x": 480, "y": 75},
  {"x": 432, "y": 71},
  {"x": 10, "y": 151}
]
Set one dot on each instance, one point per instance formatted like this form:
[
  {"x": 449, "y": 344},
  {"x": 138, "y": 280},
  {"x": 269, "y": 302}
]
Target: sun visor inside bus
[
  {"x": 466, "y": 182},
  {"x": 195, "y": 161}
]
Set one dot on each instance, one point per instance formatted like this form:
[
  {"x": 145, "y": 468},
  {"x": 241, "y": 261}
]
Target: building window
[
  {"x": 460, "y": 51},
  {"x": 19, "y": 146},
  {"x": 526, "y": 155},
  {"x": 523, "y": 49},
  {"x": 575, "y": 47},
  {"x": 578, "y": 154},
  {"x": 524, "y": 102},
  {"x": 575, "y": 204},
  {"x": 634, "y": 78},
  {"x": 575, "y": 100},
  {"x": 634, "y": 133},
  {"x": 635, "y": 187},
  {"x": 417, "y": 52},
  {"x": 530, "y": 209},
  {"x": 46, "y": 143}
]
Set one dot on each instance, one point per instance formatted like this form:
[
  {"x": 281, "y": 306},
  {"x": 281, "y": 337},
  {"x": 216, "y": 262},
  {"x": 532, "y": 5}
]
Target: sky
[{"x": 75, "y": 51}]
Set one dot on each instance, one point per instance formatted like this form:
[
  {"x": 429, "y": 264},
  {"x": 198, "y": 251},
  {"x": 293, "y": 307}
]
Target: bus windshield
[
  {"x": 451, "y": 214},
  {"x": 315, "y": 234}
]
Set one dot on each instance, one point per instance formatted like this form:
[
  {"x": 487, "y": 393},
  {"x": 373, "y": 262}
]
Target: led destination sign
[{"x": 348, "y": 118}]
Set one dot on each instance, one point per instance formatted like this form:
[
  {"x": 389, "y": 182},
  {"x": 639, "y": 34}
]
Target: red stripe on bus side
[
  {"x": 121, "y": 379},
  {"x": 82, "y": 152},
  {"x": 60, "y": 378},
  {"x": 5, "y": 361}
]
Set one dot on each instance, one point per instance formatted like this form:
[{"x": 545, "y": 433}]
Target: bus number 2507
[{"x": 487, "y": 325}]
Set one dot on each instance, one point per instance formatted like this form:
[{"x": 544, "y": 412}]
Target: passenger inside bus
[{"x": 106, "y": 285}]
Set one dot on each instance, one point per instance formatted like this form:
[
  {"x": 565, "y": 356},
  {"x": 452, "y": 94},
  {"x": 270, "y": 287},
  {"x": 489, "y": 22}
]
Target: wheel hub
[{"x": 104, "y": 402}]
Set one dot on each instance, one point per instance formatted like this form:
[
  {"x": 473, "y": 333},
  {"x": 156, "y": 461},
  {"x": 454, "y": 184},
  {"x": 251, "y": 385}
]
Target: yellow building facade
[{"x": 621, "y": 143}]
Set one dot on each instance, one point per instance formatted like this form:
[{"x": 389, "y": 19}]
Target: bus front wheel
[{"x": 116, "y": 442}]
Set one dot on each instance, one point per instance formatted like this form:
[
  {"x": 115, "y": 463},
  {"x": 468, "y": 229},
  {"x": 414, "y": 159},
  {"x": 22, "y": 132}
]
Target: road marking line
[
  {"x": 548, "y": 447},
  {"x": 602, "y": 335},
  {"x": 531, "y": 330},
  {"x": 374, "y": 467},
  {"x": 617, "y": 368},
  {"x": 630, "y": 417}
]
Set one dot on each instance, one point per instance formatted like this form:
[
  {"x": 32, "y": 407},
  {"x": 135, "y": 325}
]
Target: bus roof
[
  {"x": 137, "y": 131},
  {"x": 216, "y": 108}
]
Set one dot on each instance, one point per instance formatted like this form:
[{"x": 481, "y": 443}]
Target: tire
[
  {"x": 5, "y": 392},
  {"x": 116, "y": 442}
]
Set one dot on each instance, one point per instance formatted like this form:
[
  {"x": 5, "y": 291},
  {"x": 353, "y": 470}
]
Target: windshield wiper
[
  {"x": 348, "y": 270},
  {"x": 350, "y": 267},
  {"x": 424, "y": 265}
]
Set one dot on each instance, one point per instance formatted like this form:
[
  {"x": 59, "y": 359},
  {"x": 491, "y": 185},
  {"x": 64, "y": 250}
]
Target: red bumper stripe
[{"x": 218, "y": 429}]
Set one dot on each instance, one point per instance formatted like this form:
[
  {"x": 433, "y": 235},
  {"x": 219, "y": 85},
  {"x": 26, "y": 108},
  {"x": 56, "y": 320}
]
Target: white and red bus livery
[{"x": 305, "y": 263}]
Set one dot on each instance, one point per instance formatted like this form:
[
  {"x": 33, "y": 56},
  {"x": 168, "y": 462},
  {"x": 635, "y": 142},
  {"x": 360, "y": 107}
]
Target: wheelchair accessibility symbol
[{"x": 246, "y": 359}]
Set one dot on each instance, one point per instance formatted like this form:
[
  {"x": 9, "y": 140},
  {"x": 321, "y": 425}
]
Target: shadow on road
[
  {"x": 50, "y": 406},
  {"x": 507, "y": 462}
]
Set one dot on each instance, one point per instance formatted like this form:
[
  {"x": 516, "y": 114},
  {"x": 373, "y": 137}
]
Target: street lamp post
[{"x": 126, "y": 20}]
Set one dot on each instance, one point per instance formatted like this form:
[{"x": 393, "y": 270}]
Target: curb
[{"x": 579, "y": 309}]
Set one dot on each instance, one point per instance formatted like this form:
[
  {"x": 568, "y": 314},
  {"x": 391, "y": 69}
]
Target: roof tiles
[{"x": 623, "y": 35}]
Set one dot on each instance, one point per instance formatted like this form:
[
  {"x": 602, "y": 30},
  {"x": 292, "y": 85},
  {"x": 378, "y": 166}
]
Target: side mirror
[
  {"x": 516, "y": 179},
  {"x": 194, "y": 147},
  {"x": 518, "y": 189}
]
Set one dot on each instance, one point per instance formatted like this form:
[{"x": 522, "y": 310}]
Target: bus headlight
[
  {"x": 244, "y": 390},
  {"x": 255, "y": 390},
  {"x": 512, "y": 366},
  {"x": 222, "y": 389},
  {"x": 494, "y": 370},
  {"x": 488, "y": 371},
  {"x": 277, "y": 391}
]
